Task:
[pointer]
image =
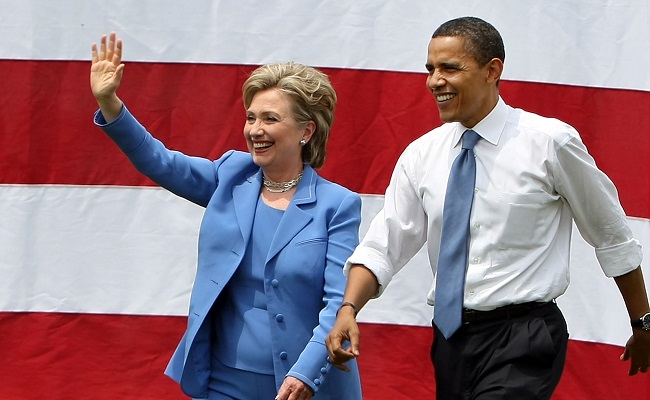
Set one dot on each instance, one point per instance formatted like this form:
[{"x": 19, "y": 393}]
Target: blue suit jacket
[{"x": 303, "y": 276}]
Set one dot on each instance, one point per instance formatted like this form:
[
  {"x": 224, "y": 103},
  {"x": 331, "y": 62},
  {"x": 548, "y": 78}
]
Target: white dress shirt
[{"x": 533, "y": 177}]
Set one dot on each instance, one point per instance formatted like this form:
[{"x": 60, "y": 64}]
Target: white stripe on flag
[
  {"x": 125, "y": 250},
  {"x": 597, "y": 43}
]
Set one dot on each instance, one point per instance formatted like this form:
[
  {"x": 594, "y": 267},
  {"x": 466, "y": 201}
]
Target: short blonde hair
[{"x": 314, "y": 99}]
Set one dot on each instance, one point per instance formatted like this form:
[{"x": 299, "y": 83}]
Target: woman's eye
[{"x": 250, "y": 119}]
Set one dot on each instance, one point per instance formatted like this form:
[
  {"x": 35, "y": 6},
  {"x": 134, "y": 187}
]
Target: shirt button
[
  {"x": 275, "y": 283},
  {"x": 476, "y": 260},
  {"x": 471, "y": 292},
  {"x": 283, "y": 355},
  {"x": 279, "y": 317},
  {"x": 475, "y": 190},
  {"x": 477, "y": 225}
]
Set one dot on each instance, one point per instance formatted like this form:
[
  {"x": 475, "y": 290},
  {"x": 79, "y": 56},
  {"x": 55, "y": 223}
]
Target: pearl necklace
[{"x": 280, "y": 187}]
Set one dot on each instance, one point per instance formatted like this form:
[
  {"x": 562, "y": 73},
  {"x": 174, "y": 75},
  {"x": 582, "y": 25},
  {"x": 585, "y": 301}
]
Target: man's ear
[{"x": 494, "y": 70}]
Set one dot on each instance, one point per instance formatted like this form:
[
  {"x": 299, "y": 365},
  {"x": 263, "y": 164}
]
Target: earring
[{"x": 303, "y": 142}]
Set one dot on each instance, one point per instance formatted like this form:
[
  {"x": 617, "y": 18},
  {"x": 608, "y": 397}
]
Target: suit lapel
[
  {"x": 294, "y": 218},
  {"x": 245, "y": 197}
]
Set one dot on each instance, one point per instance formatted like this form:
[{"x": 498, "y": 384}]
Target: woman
[{"x": 272, "y": 242}]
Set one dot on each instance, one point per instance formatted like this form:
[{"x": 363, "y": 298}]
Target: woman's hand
[
  {"x": 294, "y": 389},
  {"x": 106, "y": 74}
]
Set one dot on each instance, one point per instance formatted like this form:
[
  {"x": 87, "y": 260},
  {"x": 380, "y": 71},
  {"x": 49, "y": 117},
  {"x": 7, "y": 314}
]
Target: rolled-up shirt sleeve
[
  {"x": 596, "y": 208},
  {"x": 398, "y": 231}
]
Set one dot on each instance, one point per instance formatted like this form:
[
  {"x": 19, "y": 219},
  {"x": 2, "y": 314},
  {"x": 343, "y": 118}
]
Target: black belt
[{"x": 505, "y": 312}]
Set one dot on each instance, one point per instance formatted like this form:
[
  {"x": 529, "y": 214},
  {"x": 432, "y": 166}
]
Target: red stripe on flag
[
  {"x": 77, "y": 356},
  {"x": 107, "y": 357},
  {"x": 594, "y": 371},
  {"x": 49, "y": 136},
  {"x": 395, "y": 364}
]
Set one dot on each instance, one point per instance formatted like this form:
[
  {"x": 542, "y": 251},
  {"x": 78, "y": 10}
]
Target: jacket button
[
  {"x": 279, "y": 317},
  {"x": 283, "y": 355},
  {"x": 275, "y": 283},
  {"x": 316, "y": 382},
  {"x": 323, "y": 370}
]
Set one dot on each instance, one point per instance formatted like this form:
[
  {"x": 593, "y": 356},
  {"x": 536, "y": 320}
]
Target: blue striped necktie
[{"x": 454, "y": 242}]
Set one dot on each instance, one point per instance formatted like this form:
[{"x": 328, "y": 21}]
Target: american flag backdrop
[{"x": 96, "y": 263}]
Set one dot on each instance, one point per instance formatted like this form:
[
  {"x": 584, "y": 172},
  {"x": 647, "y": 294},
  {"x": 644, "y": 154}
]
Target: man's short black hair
[{"x": 482, "y": 40}]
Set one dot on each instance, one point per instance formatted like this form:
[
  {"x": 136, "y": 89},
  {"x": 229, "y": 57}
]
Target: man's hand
[
  {"x": 637, "y": 349},
  {"x": 345, "y": 329}
]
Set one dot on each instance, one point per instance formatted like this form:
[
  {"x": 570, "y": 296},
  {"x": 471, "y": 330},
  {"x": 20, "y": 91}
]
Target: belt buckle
[{"x": 469, "y": 316}]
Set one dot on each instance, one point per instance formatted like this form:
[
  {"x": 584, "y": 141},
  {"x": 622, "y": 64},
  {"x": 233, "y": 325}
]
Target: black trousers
[{"x": 517, "y": 358}]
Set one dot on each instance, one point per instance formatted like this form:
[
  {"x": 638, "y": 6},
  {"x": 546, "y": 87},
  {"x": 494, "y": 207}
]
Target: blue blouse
[{"x": 241, "y": 318}]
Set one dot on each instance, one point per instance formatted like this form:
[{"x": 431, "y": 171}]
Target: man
[{"x": 524, "y": 178}]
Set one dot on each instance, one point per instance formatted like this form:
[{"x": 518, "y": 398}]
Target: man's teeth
[{"x": 444, "y": 97}]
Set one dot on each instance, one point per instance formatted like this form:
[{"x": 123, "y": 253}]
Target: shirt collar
[{"x": 490, "y": 127}]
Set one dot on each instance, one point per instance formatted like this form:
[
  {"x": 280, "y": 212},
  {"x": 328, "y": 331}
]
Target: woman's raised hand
[{"x": 106, "y": 74}]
